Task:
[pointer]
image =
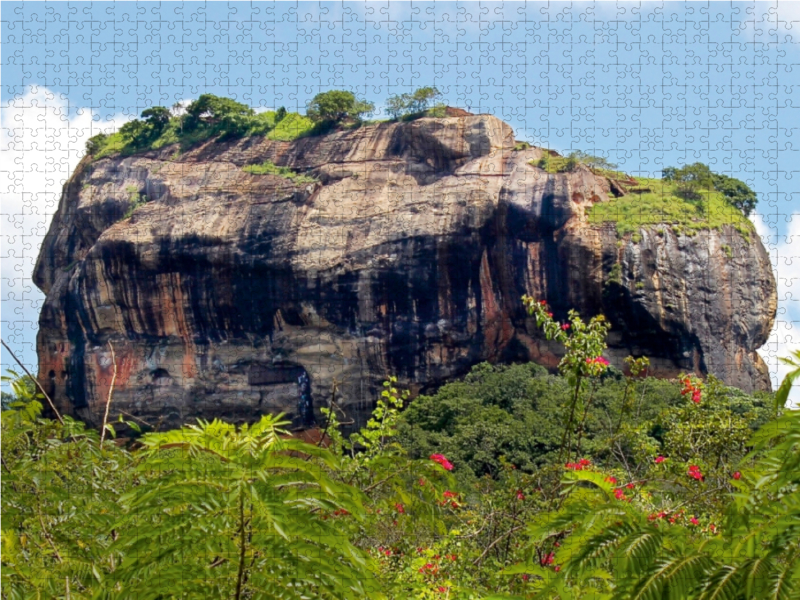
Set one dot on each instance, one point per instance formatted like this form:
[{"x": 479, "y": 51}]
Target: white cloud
[
  {"x": 770, "y": 22},
  {"x": 784, "y": 252},
  {"x": 41, "y": 143}
]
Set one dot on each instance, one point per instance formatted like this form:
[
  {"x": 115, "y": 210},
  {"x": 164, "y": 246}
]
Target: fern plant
[{"x": 236, "y": 513}]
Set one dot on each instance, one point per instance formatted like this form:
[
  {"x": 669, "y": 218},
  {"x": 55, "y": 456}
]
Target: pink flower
[
  {"x": 660, "y": 459},
  {"x": 550, "y": 315},
  {"x": 694, "y": 471},
  {"x": 557, "y": 568},
  {"x": 694, "y": 521},
  {"x": 520, "y": 495},
  {"x": 565, "y": 326},
  {"x": 446, "y": 464},
  {"x": 620, "y": 495}
]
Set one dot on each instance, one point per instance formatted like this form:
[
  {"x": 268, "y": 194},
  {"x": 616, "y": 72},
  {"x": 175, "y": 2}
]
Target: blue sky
[{"x": 646, "y": 84}]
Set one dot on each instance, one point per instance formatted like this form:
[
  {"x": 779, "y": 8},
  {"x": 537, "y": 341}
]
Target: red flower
[
  {"x": 548, "y": 559},
  {"x": 520, "y": 495},
  {"x": 543, "y": 302},
  {"x": 525, "y": 577},
  {"x": 694, "y": 471},
  {"x": 620, "y": 495},
  {"x": 585, "y": 462},
  {"x": 565, "y": 326},
  {"x": 610, "y": 479},
  {"x": 453, "y": 557},
  {"x": 449, "y": 494},
  {"x": 694, "y": 521},
  {"x": 660, "y": 459},
  {"x": 442, "y": 589},
  {"x": 557, "y": 568},
  {"x": 550, "y": 315},
  {"x": 737, "y": 475},
  {"x": 400, "y": 508},
  {"x": 446, "y": 464},
  {"x": 630, "y": 486},
  {"x": 421, "y": 481},
  {"x": 428, "y": 568}
]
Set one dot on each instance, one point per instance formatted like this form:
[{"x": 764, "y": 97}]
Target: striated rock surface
[{"x": 408, "y": 257}]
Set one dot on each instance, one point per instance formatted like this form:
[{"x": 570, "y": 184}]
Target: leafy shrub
[
  {"x": 337, "y": 105},
  {"x": 268, "y": 167},
  {"x": 692, "y": 180},
  {"x": 416, "y": 104}
]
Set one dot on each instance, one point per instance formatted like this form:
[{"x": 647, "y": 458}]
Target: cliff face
[{"x": 408, "y": 257}]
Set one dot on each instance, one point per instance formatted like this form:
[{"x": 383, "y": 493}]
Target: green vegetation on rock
[
  {"x": 207, "y": 117},
  {"x": 269, "y": 168},
  {"x": 654, "y": 201}
]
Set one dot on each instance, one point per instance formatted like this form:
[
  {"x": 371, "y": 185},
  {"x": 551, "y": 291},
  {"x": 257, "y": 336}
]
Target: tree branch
[{"x": 36, "y": 381}]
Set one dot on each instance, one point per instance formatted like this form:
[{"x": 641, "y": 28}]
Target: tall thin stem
[
  {"x": 110, "y": 391},
  {"x": 566, "y": 436},
  {"x": 242, "y": 547}
]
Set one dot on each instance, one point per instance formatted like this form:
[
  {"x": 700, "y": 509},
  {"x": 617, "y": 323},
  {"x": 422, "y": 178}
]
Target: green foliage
[
  {"x": 232, "y": 513},
  {"x": 207, "y": 117},
  {"x": 210, "y": 110},
  {"x": 24, "y": 391},
  {"x": 692, "y": 180},
  {"x": 136, "y": 200},
  {"x": 567, "y": 164},
  {"x": 206, "y": 511},
  {"x": 268, "y": 168},
  {"x": 293, "y": 126},
  {"x": 737, "y": 193},
  {"x": 96, "y": 143},
  {"x": 663, "y": 203},
  {"x": 337, "y": 105},
  {"x": 689, "y": 180},
  {"x": 405, "y": 106}
]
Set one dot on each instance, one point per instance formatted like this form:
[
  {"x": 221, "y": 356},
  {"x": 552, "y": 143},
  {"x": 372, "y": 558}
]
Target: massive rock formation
[{"x": 408, "y": 257}]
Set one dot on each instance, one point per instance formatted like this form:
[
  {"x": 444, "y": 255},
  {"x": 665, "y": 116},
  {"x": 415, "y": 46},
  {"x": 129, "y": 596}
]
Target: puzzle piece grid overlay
[{"x": 646, "y": 84}]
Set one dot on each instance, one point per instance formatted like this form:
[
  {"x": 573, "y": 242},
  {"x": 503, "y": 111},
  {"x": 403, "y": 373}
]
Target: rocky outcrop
[{"x": 408, "y": 256}]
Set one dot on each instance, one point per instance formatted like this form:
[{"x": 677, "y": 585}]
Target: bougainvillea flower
[
  {"x": 694, "y": 471},
  {"x": 446, "y": 464}
]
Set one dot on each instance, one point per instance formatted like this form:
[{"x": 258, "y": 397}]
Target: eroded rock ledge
[{"x": 408, "y": 257}]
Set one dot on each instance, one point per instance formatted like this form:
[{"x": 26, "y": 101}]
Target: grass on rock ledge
[{"x": 656, "y": 201}]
